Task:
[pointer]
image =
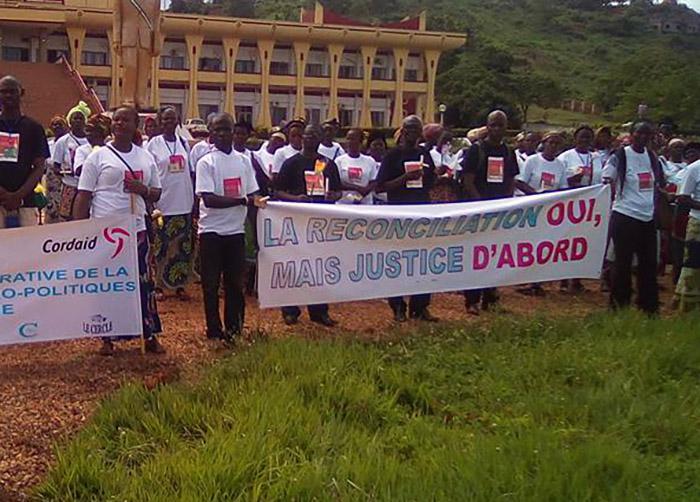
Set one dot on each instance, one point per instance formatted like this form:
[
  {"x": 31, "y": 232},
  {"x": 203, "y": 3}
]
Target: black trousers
[
  {"x": 634, "y": 237},
  {"x": 223, "y": 255},
  {"x": 487, "y": 296},
  {"x": 416, "y": 304},
  {"x": 315, "y": 311}
]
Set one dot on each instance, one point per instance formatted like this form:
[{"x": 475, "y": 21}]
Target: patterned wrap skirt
[
  {"x": 65, "y": 209},
  {"x": 54, "y": 187},
  {"x": 688, "y": 288},
  {"x": 173, "y": 250}
]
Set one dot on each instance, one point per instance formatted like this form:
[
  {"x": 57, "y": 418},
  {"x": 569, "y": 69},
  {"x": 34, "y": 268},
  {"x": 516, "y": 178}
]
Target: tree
[{"x": 529, "y": 88}]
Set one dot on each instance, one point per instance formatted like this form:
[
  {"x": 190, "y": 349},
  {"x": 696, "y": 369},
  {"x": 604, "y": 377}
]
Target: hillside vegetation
[{"x": 536, "y": 52}]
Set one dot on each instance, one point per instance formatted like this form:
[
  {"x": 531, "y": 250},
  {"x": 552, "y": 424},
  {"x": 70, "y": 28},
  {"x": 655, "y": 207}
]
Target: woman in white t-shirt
[
  {"x": 688, "y": 287},
  {"x": 120, "y": 179},
  {"x": 584, "y": 167},
  {"x": 328, "y": 147},
  {"x": 97, "y": 130},
  {"x": 266, "y": 154},
  {"x": 543, "y": 172},
  {"x": 173, "y": 236},
  {"x": 295, "y": 130},
  {"x": 637, "y": 177},
  {"x": 60, "y": 128},
  {"x": 64, "y": 156},
  {"x": 358, "y": 172}
]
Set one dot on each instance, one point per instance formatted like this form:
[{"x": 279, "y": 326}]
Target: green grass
[{"x": 601, "y": 409}]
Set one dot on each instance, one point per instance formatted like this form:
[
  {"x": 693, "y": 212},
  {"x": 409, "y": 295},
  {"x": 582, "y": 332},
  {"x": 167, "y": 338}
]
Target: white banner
[
  {"x": 69, "y": 280},
  {"x": 313, "y": 253}
]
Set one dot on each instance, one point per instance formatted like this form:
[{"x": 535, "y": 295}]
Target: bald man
[{"x": 23, "y": 154}]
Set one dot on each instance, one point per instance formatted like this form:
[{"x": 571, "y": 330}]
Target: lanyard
[
  {"x": 172, "y": 150},
  {"x": 587, "y": 161},
  {"x": 122, "y": 159}
]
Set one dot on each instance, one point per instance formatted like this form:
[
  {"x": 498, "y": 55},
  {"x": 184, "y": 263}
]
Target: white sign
[
  {"x": 314, "y": 253},
  {"x": 69, "y": 280}
]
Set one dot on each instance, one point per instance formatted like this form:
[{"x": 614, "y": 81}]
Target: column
[
  {"x": 335, "y": 56},
  {"x": 76, "y": 37},
  {"x": 265, "y": 48},
  {"x": 155, "y": 78},
  {"x": 230, "y": 55},
  {"x": 400, "y": 57},
  {"x": 0, "y": 43},
  {"x": 368, "y": 54},
  {"x": 114, "y": 90},
  {"x": 431, "y": 64},
  {"x": 194, "y": 48},
  {"x": 301, "y": 53},
  {"x": 43, "y": 52}
]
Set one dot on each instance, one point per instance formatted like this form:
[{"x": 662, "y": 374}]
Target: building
[
  {"x": 262, "y": 71},
  {"x": 671, "y": 17}
]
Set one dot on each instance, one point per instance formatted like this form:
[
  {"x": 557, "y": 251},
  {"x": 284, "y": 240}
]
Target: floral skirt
[
  {"x": 54, "y": 186},
  {"x": 688, "y": 288},
  {"x": 173, "y": 252},
  {"x": 65, "y": 209}
]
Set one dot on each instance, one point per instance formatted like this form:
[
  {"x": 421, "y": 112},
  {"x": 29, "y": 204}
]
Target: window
[
  {"x": 378, "y": 73},
  {"x": 346, "y": 118},
  {"x": 172, "y": 62},
  {"x": 313, "y": 115},
  {"x": 210, "y": 64},
  {"x": 53, "y": 55},
  {"x": 347, "y": 71},
  {"x": 314, "y": 70},
  {"x": 244, "y": 114},
  {"x": 92, "y": 58},
  {"x": 206, "y": 110},
  {"x": 378, "y": 119},
  {"x": 279, "y": 68},
  {"x": 245, "y": 66},
  {"x": 411, "y": 75},
  {"x": 176, "y": 106},
  {"x": 279, "y": 115},
  {"x": 15, "y": 54}
]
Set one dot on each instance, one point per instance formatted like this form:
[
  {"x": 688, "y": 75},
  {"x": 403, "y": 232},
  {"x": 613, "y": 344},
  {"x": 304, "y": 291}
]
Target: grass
[{"x": 602, "y": 409}]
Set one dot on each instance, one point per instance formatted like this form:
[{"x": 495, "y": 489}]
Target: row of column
[{"x": 76, "y": 36}]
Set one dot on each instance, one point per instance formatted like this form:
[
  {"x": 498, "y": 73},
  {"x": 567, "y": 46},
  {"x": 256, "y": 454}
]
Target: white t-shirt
[
  {"x": 521, "y": 157},
  {"x": 281, "y": 155},
  {"x": 674, "y": 171},
  {"x": 198, "y": 151},
  {"x": 691, "y": 186},
  {"x": 81, "y": 154},
  {"x": 543, "y": 175},
  {"x": 636, "y": 200},
  {"x": 360, "y": 171},
  {"x": 332, "y": 152},
  {"x": 266, "y": 160},
  {"x": 228, "y": 175},
  {"x": 104, "y": 174},
  {"x": 590, "y": 163},
  {"x": 173, "y": 161},
  {"x": 64, "y": 154}
]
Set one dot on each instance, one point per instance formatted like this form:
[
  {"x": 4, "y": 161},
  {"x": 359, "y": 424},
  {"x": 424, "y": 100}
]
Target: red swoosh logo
[{"x": 109, "y": 235}]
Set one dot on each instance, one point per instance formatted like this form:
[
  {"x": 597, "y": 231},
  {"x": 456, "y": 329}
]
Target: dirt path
[{"x": 48, "y": 391}]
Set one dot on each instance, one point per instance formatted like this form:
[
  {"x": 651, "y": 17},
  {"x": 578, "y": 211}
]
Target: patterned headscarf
[
  {"x": 432, "y": 132},
  {"x": 81, "y": 107},
  {"x": 101, "y": 123}
]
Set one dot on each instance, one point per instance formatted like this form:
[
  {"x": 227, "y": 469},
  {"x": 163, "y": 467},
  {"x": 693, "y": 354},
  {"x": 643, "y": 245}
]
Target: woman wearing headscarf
[
  {"x": 59, "y": 127},
  {"x": 97, "y": 131},
  {"x": 173, "y": 238},
  {"x": 64, "y": 157}
]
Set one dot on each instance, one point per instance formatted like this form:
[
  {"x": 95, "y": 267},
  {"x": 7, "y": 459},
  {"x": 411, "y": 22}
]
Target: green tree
[{"x": 528, "y": 88}]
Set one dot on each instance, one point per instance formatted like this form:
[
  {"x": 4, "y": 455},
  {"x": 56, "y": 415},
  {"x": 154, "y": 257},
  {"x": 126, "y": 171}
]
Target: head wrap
[
  {"x": 101, "y": 123},
  {"x": 432, "y": 132},
  {"x": 81, "y": 107},
  {"x": 279, "y": 135},
  {"x": 331, "y": 121},
  {"x": 551, "y": 134},
  {"x": 60, "y": 120},
  {"x": 676, "y": 141}
]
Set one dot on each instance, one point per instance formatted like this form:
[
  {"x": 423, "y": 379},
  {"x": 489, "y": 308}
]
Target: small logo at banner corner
[
  {"x": 116, "y": 236},
  {"x": 28, "y": 329},
  {"x": 97, "y": 325}
]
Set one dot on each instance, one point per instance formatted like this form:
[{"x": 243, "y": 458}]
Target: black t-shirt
[
  {"x": 32, "y": 146},
  {"x": 393, "y": 166},
  {"x": 476, "y": 162},
  {"x": 292, "y": 177}
]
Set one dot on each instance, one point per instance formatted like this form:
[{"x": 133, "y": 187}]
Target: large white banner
[
  {"x": 313, "y": 253},
  {"x": 70, "y": 280}
]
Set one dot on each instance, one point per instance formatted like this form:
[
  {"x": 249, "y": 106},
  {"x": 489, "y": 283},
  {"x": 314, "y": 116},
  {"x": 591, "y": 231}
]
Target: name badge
[
  {"x": 410, "y": 167},
  {"x": 135, "y": 176},
  {"x": 494, "y": 169},
  {"x": 355, "y": 173},
  {"x": 646, "y": 182},
  {"x": 176, "y": 164},
  {"x": 315, "y": 186},
  {"x": 232, "y": 188},
  {"x": 547, "y": 181},
  {"x": 9, "y": 147}
]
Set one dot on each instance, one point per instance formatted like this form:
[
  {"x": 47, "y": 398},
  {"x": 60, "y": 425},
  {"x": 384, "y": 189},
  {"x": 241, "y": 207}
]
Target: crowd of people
[{"x": 95, "y": 166}]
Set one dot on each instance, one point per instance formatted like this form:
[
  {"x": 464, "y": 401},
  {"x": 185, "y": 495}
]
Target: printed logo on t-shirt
[
  {"x": 646, "y": 182},
  {"x": 176, "y": 164},
  {"x": 9, "y": 147},
  {"x": 494, "y": 169},
  {"x": 314, "y": 184},
  {"x": 411, "y": 166},
  {"x": 547, "y": 181},
  {"x": 320, "y": 165},
  {"x": 232, "y": 188},
  {"x": 355, "y": 173}
]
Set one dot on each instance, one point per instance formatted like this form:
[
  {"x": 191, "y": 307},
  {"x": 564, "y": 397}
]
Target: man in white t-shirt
[
  {"x": 120, "y": 178},
  {"x": 226, "y": 185},
  {"x": 266, "y": 154},
  {"x": 358, "y": 172},
  {"x": 295, "y": 131},
  {"x": 636, "y": 174},
  {"x": 543, "y": 172},
  {"x": 584, "y": 167},
  {"x": 328, "y": 147}
]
